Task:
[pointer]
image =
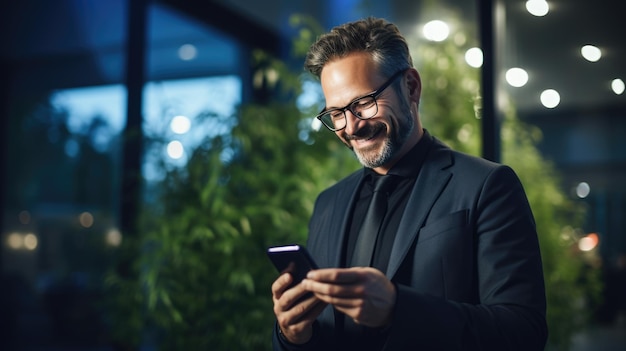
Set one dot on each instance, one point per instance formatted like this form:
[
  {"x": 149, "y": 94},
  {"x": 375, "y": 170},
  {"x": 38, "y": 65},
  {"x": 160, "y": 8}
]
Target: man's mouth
[{"x": 367, "y": 133}]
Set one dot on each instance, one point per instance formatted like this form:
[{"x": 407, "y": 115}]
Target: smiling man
[{"x": 425, "y": 247}]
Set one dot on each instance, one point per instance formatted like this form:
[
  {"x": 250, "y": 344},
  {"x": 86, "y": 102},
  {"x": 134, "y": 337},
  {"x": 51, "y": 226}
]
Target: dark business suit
[{"x": 465, "y": 260}]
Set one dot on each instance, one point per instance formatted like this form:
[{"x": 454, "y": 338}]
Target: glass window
[
  {"x": 180, "y": 114},
  {"x": 66, "y": 112}
]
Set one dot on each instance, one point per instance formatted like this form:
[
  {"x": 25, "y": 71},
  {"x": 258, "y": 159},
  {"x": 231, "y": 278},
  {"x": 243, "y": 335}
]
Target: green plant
[{"x": 204, "y": 275}]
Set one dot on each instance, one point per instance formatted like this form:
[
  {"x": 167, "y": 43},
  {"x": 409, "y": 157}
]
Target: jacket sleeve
[
  {"x": 509, "y": 313},
  {"x": 280, "y": 344}
]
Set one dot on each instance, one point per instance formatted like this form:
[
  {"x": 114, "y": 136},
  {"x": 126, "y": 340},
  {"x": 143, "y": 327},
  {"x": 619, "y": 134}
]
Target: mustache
[{"x": 367, "y": 131}]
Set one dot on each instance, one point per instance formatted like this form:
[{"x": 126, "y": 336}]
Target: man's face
[{"x": 381, "y": 140}]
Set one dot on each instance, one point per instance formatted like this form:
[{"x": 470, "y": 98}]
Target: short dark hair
[{"x": 375, "y": 36}]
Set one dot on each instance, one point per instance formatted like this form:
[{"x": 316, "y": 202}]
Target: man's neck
[{"x": 408, "y": 145}]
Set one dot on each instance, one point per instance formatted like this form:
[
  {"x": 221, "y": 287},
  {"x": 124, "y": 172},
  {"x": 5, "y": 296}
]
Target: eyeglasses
[{"x": 364, "y": 107}]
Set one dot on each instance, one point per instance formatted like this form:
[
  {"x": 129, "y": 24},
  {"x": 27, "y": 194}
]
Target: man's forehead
[{"x": 344, "y": 82}]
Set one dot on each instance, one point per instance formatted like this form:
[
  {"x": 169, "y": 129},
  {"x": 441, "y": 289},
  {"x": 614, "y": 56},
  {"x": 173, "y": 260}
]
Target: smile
[{"x": 367, "y": 136}]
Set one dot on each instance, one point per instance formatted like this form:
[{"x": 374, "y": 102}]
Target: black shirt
[{"x": 405, "y": 173}]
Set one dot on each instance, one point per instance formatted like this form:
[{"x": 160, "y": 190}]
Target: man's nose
[{"x": 352, "y": 122}]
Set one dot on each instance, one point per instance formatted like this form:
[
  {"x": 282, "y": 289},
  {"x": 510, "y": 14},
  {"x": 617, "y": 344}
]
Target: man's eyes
[
  {"x": 336, "y": 114},
  {"x": 362, "y": 103}
]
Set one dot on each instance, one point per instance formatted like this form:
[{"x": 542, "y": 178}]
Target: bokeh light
[
  {"x": 436, "y": 30},
  {"x": 516, "y": 77},
  {"x": 15, "y": 241},
  {"x": 550, "y": 98},
  {"x": 113, "y": 237},
  {"x": 591, "y": 53},
  {"x": 175, "y": 149},
  {"x": 583, "y": 190},
  {"x": 187, "y": 52},
  {"x": 537, "y": 8},
  {"x": 618, "y": 86},
  {"x": 86, "y": 219},
  {"x": 180, "y": 124},
  {"x": 474, "y": 57},
  {"x": 30, "y": 241},
  {"x": 588, "y": 242}
]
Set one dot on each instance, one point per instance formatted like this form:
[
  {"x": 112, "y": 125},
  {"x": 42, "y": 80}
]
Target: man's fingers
[
  {"x": 280, "y": 285},
  {"x": 292, "y": 313},
  {"x": 338, "y": 275},
  {"x": 351, "y": 290},
  {"x": 341, "y": 302}
]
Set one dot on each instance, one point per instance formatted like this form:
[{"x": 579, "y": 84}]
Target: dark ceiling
[{"x": 547, "y": 47}]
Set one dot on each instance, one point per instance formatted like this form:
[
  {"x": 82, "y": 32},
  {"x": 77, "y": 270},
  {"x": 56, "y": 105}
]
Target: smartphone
[{"x": 294, "y": 259}]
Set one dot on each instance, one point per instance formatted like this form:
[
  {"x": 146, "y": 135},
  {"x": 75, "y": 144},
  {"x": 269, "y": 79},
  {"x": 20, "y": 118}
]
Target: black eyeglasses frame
[{"x": 373, "y": 95}]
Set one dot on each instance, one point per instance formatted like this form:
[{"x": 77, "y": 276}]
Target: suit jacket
[{"x": 465, "y": 260}]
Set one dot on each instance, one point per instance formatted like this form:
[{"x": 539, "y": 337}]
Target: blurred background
[{"x": 151, "y": 150}]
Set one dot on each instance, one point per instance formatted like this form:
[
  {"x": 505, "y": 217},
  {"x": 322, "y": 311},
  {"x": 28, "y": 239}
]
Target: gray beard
[{"x": 392, "y": 144}]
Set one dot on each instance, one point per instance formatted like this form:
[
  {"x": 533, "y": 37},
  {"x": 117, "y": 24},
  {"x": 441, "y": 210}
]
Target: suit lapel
[
  {"x": 428, "y": 186},
  {"x": 344, "y": 202}
]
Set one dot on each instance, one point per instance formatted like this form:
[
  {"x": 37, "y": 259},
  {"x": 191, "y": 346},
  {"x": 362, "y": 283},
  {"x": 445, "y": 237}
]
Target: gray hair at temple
[{"x": 376, "y": 36}]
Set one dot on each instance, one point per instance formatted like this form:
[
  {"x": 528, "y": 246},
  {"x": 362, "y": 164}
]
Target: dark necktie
[{"x": 368, "y": 234}]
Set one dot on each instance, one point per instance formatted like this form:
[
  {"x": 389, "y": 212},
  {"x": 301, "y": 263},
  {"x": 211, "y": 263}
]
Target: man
[{"x": 456, "y": 262}]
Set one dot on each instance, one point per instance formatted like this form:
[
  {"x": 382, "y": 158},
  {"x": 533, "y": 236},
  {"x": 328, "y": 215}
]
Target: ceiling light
[
  {"x": 516, "y": 77},
  {"x": 618, "y": 86},
  {"x": 591, "y": 53},
  {"x": 550, "y": 98},
  {"x": 474, "y": 57},
  {"x": 436, "y": 30},
  {"x": 537, "y": 8}
]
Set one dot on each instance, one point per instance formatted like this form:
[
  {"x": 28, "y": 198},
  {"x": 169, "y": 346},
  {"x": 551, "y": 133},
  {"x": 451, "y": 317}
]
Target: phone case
[{"x": 294, "y": 259}]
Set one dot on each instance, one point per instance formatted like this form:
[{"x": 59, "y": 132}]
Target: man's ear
[{"x": 414, "y": 84}]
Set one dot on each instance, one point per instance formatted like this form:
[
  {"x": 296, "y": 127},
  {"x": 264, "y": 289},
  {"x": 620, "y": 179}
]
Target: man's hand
[
  {"x": 294, "y": 312},
  {"x": 362, "y": 293}
]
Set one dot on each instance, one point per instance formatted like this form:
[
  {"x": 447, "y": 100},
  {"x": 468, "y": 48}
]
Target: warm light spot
[
  {"x": 436, "y": 30},
  {"x": 272, "y": 76},
  {"x": 30, "y": 241},
  {"x": 15, "y": 241},
  {"x": 550, "y": 98},
  {"x": 474, "y": 57},
  {"x": 516, "y": 77},
  {"x": 113, "y": 237},
  {"x": 86, "y": 219},
  {"x": 591, "y": 53},
  {"x": 24, "y": 217},
  {"x": 588, "y": 242}
]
